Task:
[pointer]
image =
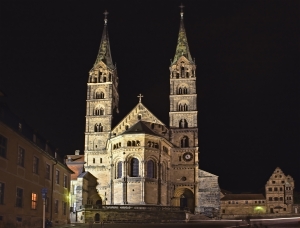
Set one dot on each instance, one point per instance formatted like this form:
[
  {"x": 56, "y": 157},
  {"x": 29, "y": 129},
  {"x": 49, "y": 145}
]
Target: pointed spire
[
  {"x": 182, "y": 48},
  {"x": 104, "y": 54}
]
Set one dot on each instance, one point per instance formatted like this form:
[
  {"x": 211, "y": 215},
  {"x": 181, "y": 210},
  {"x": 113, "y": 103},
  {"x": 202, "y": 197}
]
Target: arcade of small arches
[
  {"x": 138, "y": 143},
  {"x": 98, "y": 127},
  {"x": 99, "y": 95},
  {"x": 100, "y": 77},
  {"x": 134, "y": 143},
  {"x": 131, "y": 168},
  {"x": 182, "y": 90},
  {"x": 182, "y": 107},
  {"x": 183, "y": 72},
  {"x": 98, "y": 111},
  {"x": 183, "y": 123}
]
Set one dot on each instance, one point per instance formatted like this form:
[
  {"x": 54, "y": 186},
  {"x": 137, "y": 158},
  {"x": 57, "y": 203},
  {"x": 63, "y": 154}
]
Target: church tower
[
  {"x": 183, "y": 124},
  {"x": 102, "y": 101}
]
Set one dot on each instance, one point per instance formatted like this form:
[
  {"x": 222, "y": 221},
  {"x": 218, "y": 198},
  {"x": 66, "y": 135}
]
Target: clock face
[{"x": 188, "y": 156}]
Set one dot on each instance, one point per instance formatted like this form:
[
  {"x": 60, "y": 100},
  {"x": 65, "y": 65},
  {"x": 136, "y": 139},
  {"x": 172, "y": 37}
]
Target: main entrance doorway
[{"x": 184, "y": 198}]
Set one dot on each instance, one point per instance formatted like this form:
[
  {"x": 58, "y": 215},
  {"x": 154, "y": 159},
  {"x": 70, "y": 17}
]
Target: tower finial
[
  {"x": 105, "y": 17},
  {"x": 181, "y": 10}
]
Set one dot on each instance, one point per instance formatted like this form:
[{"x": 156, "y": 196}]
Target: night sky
[{"x": 247, "y": 56}]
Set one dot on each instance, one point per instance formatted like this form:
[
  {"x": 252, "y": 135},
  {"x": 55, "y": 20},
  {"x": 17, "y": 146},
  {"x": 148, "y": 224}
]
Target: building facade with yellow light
[{"x": 27, "y": 165}]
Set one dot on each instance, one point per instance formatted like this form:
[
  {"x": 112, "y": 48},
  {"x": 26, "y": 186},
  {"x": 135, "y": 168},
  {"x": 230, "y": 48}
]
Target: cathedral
[{"x": 141, "y": 160}]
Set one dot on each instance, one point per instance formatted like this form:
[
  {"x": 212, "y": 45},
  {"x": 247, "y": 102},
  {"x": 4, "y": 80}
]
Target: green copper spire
[
  {"x": 182, "y": 48},
  {"x": 104, "y": 54}
]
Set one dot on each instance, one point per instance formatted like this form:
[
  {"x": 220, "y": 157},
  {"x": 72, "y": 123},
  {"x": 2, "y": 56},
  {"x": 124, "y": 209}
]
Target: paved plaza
[{"x": 269, "y": 223}]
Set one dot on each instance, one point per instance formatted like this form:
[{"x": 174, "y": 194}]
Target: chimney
[{"x": 77, "y": 152}]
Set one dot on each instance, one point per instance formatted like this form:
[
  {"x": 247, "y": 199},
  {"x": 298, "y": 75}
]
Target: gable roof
[
  {"x": 133, "y": 117},
  {"x": 140, "y": 128}
]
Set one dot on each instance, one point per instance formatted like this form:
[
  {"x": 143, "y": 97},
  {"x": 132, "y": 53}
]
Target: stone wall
[{"x": 135, "y": 214}]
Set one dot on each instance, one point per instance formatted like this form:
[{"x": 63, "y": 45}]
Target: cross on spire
[
  {"x": 105, "y": 17},
  {"x": 181, "y": 10},
  {"x": 140, "y": 98}
]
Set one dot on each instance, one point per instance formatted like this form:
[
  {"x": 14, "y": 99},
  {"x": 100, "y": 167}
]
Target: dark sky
[{"x": 247, "y": 56}]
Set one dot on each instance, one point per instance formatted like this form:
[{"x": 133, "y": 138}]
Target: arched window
[
  {"x": 120, "y": 144},
  {"x": 150, "y": 169},
  {"x": 128, "y": 143},
  {"x": 104, "y": 79},
  {"x": 119, "y": 169},
  {"x": 184, "y": 142},
  {"x": 185, "y": 107},
  {"x": 133, "y": 143},
  {"x": 185, "y": 90},
  {"x": 149, "y": 144},
  {"x": 179, "y": 107},
  {"x": 163, "y": 172},
  {"x": 180, "y": 90},
  {"x": 139, "y": 117},
  {"x": 97, "y": 112},
  {"x": 101, "y": 95},
  {"x": 134, "y": 166},
  {"x": 126, "y": 127},
  {"x": 101, "y": 111},
  {"x": 94, "y": 160},
  {"x": 182, "y": 72},
  {"x": 183, "y": 123},
  {"x": 100, "y": 127},
  {"x": 96, "y": 127},
  {"x": 138, "y": 143}
]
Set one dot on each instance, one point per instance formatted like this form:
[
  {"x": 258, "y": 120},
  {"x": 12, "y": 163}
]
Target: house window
[
  {"x": 273, "y": 182},
  {"x": 3, "y": 146},
  {"x": 64, "y": 208},
  {"x": 57, "y": 176},
  {"x": 275, "y": 189},
  {"x": 21, "y": 155},
  {"x": 281, "y": 189},
  {"x": 33, "y": 201},
  {"x": 281, "y": 198},
  {"x": 119, "y": 171},
  {"x": 56, "y": 206},
  {"x": 65, "y": 181},
  {"x": 35, "y": 165},
  {"x": 19, "y": 197},
  {"x": 134, "y": 167},
  {"x": 47, "y": 173},
  {"x": 270, "y": 189},
  {"x": 270, "y": 199},
  {"x": 223, "y": 211},
  {"x": 246, "y": 202},
  {"x": 229, "y": 202},
  {"x": 1, "y": 193}
]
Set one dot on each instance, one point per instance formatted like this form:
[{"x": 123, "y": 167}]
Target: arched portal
[
  {"x": 184, "y": 198},
  {"x": 97, "y": 218}
]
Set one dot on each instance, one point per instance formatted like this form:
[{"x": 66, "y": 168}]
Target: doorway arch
[
  {"x": 184, "y": 198},
  {"x": 97, "y": 218}
]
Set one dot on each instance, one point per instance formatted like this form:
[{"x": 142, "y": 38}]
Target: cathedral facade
[{"x": 141, "y": 160}]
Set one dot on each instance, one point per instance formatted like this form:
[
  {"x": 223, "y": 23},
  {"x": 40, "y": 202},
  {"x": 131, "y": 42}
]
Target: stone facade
[
  {"x": 209, "y": 194},
  {"x": 279, "y": 192},
  {"x": 28, "y": 164}
]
